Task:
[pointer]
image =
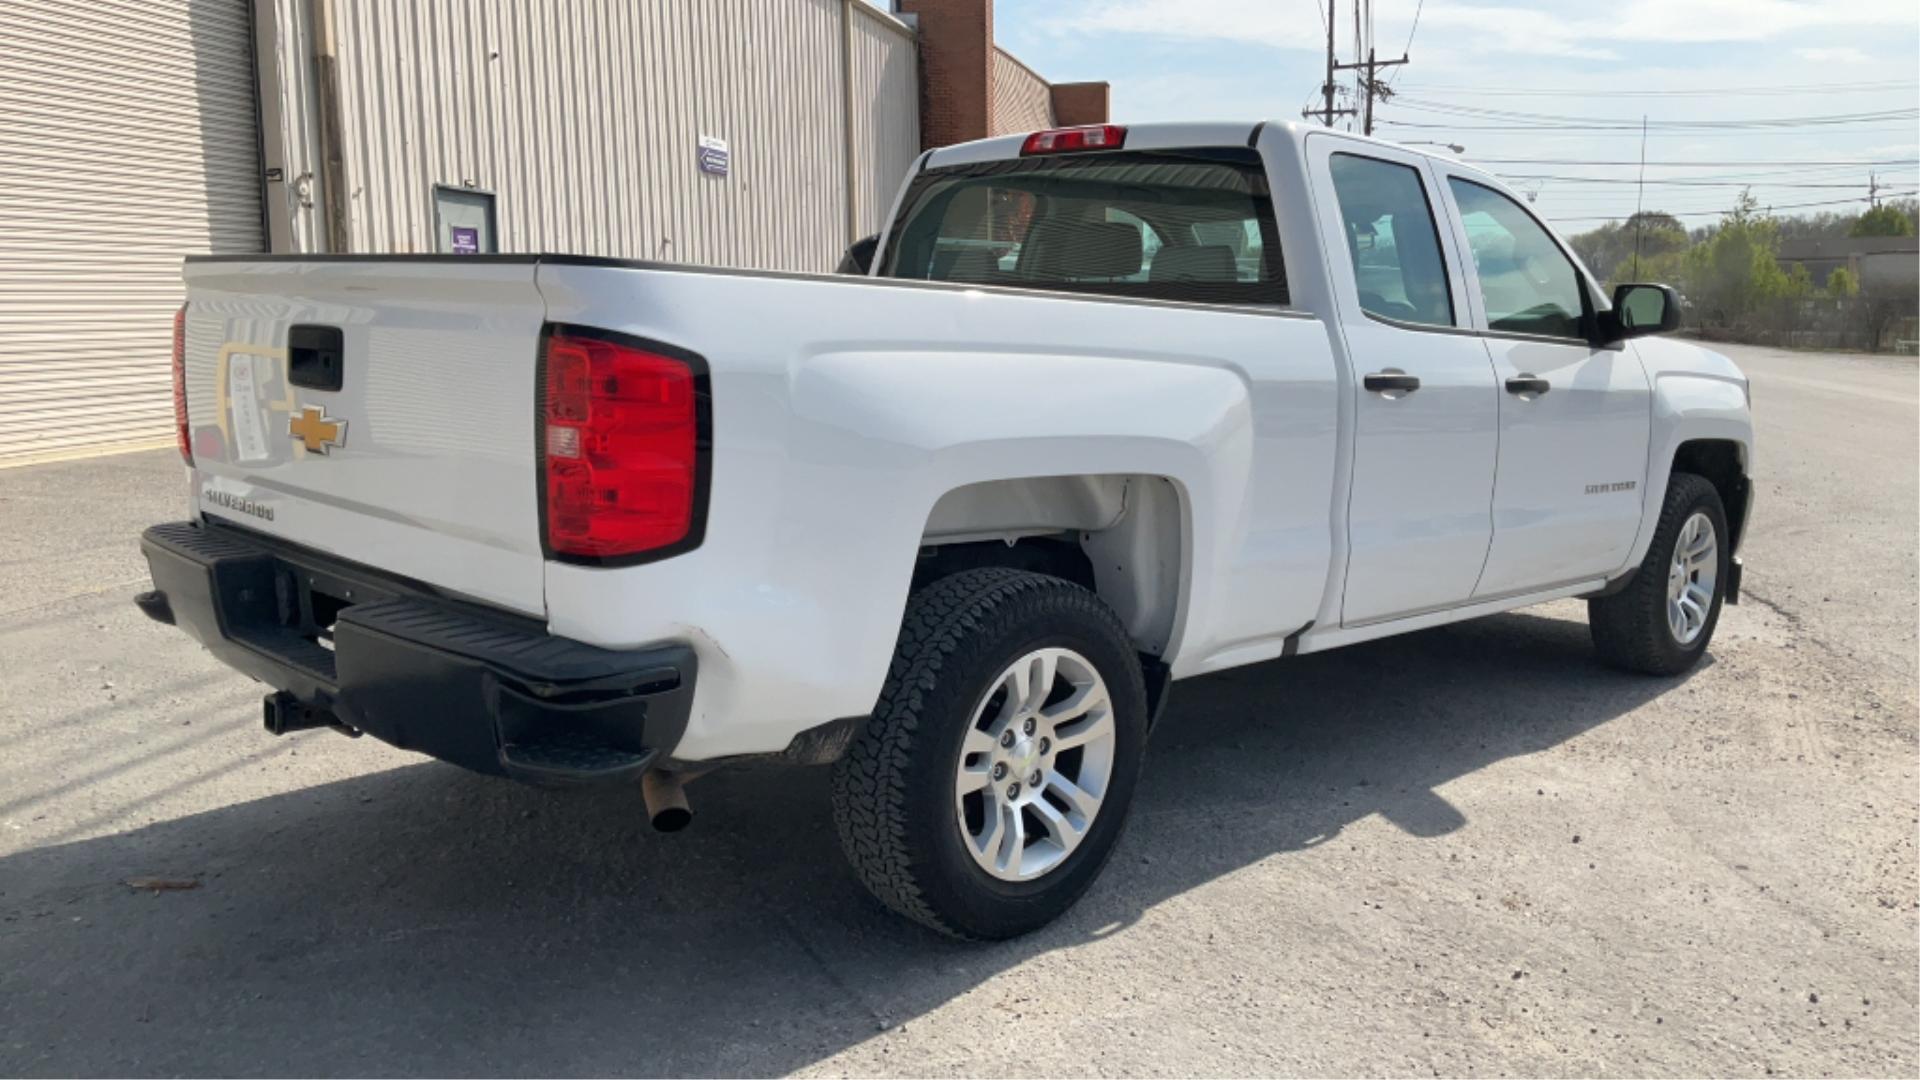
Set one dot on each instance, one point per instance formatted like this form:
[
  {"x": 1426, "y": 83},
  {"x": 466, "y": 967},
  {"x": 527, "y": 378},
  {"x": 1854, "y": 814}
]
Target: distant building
[
  {"x": 765, "y": 133},
  {"x": 1884, "y": 265}
]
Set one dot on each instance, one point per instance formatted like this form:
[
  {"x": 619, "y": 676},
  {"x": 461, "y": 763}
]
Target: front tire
[
  {"x": 1001, "y": 678},
  {"x": 1661, "y": 622}
]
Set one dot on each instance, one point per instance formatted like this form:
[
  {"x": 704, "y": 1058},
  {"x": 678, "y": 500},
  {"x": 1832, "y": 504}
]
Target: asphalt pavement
[{"x": 1471, "y": 850}]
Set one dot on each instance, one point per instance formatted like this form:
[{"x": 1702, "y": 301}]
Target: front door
[
  {"x": 1574, "y": 417},
  {"x": 1426, "y": 419}
]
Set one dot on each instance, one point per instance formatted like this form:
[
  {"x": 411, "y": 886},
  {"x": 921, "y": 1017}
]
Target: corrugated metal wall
[
  {"x": 583, "y": 118},
  {"x": 886, "y": 114},
  {"x": 127, "y": 139},
  {"x": 1022, "y": 100}
]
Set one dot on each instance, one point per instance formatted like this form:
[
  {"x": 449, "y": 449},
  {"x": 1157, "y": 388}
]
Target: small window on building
[{"x": 1177, "y": 225}]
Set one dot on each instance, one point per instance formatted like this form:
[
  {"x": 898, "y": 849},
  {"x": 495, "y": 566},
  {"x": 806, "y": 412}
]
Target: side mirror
[
  {"x": 859, "y": 258},
  {"x": 1639, "y": 310}
]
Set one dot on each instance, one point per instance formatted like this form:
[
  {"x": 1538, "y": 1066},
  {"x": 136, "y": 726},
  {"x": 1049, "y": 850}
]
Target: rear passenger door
[
  {"x": 1427, "y": 410},
  {"x": 1574, "y": 417}
]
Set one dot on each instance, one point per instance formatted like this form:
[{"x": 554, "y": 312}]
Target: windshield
[{"x": 1192, "y": 225}]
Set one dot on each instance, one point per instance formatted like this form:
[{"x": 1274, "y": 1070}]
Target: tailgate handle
[{"x": 316, "y": 357}]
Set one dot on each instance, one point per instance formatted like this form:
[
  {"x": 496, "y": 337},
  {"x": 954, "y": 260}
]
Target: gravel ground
[{"x": 1466, "y": 851}]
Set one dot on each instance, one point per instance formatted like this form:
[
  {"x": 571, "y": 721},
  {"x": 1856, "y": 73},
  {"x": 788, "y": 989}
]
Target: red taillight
[
  {"x": 620, "y": 449},
  {"x": 1067, "y": 140},
  {"x": 181, "y": 435}
]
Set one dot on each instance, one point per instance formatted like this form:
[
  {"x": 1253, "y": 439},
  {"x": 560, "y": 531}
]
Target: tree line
[{"x": 1731, "y": 274}]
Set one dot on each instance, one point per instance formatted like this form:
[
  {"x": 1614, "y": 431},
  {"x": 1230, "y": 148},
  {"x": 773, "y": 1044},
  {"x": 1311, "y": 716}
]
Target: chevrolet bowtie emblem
[{"x": 312, "y": 428}]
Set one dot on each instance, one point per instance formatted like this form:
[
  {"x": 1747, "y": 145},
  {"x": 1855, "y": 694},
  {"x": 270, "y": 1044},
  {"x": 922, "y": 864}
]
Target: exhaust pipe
[{"x": 666, "y": 798}]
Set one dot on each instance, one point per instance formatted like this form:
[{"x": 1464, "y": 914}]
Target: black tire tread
[
  {"x": 943, "y": 622},
  {"x": 1629, "y": 628}
]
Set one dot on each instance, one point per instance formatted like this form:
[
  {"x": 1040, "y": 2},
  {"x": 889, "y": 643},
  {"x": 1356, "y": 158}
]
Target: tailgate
[{"x": 379, "y": 410}]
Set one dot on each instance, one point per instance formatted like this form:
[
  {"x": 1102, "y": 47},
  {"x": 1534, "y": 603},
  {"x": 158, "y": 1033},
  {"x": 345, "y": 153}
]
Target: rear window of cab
[{"x": 1188, "y": 225}]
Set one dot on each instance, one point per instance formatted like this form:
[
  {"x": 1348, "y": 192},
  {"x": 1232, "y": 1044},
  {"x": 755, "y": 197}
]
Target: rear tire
[
  {"x": 1661, "y": 622},
  {"x": 997, "y": 673}
]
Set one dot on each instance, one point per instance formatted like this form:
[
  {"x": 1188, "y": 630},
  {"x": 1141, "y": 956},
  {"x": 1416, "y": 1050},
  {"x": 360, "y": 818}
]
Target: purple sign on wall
[{"x": 466, "y": 240}]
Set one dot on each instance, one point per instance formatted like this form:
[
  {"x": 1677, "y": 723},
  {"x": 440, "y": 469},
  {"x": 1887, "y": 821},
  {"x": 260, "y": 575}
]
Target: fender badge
[{"x": 315, "y": 430}]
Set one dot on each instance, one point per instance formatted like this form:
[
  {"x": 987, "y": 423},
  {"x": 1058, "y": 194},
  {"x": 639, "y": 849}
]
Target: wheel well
[
  {"x": 1118, "y": 535},
  {"x": 1059, "y": 556},
  {"x": 1718, "y": 460}
]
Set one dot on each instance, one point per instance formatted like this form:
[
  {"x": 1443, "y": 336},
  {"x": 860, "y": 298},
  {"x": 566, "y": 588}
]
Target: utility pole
[
  {"x": 1640, "y": 198},
  {"x": 1328, "y": 112},
  {"x": 1873, "y": 191},
  {"x": 1370, "y": 85}
]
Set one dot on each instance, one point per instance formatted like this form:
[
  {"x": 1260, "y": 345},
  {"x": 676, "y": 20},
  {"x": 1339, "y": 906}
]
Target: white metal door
[
  {"x": 127, "y": 140},
  {"x": 1574, "y": 417},
  {"x": 1418, "y": 512}
]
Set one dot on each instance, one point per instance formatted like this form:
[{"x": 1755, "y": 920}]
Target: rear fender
[{"x": 1006, "y": 418}]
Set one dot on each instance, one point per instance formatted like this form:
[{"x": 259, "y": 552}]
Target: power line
[
  {"x": 1619, "y": 204},
  {"x": 1407, "y": 49},
  {"x": 1675, "y": 183},
  {"x": 1695, "y": 164},
  {"x": 1572, "y": 131},
  {"x": 1481, "y": 113},
  {"x": 1721, "y": 91},
  {"x": 1770, "y": 209},
  {"x": 1607, "y": 123}
]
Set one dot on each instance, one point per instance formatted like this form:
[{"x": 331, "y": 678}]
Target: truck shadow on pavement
[{"x": 425, "y": 921}]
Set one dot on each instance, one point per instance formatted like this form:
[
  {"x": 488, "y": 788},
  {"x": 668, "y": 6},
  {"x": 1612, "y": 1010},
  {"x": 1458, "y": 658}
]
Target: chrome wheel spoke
[
  {"x": 1084, "y": 699},
  {"x": 1007, "y": 854},
  {"x": 1690, "y": 616},
  {"x": 1013, "y": 682},
  {"x": 1083, "y": 802},
  {"x": 1062, "y": 828},
  {"x": 1019, "y": 683},
  {"x": 1043, "y": 666},
  {"x": 1097, "y": 725},
  {"x": 978, "y": 742},
  {"x": 973, "y": 778},
  {"x": 987, "y": 841}
]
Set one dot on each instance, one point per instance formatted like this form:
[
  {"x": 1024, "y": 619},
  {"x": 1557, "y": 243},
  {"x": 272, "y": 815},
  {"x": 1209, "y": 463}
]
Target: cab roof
[{"x": 1178, "y": 135}]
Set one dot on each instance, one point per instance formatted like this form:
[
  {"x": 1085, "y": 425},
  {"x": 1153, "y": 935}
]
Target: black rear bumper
[{"x": 488, "y": 691}]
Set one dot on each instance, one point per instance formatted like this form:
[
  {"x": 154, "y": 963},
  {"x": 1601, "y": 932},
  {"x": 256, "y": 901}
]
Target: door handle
[
  {"x": 1390, "y": 381},
  {"x": 1528, "y": 383}
]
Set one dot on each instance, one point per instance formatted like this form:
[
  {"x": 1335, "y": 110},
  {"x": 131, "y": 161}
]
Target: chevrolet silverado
[{"x": 1112, "y": 407}]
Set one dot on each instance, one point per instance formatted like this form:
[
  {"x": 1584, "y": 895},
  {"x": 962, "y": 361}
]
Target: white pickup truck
[{"x": 1113, "y": 407}]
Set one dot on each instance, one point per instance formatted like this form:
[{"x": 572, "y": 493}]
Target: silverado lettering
[{"x": 239, "y": 504}]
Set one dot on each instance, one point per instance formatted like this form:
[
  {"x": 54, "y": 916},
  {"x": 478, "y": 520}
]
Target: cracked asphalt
[{"x": 1470, "y": 851}]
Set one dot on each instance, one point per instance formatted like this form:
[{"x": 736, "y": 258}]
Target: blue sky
[{"x": 1249, "y": 59}]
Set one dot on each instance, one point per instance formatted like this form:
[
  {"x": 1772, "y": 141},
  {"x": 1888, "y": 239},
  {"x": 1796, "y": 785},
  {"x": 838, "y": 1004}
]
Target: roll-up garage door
[{"x": 127, "y": 140}]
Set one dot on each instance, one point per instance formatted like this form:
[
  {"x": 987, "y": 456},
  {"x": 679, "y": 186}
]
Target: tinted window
[
  {"x": 1391, "y": 235},
  {"x": 1527, "y": 283},
  {"x": 1177, "y": 225}
]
